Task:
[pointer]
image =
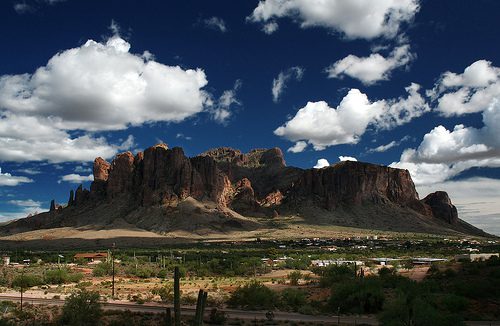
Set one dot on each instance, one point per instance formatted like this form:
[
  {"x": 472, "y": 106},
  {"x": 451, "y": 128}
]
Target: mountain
[{"x": 224, "y": 190}]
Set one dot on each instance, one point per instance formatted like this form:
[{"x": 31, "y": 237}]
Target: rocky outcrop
[
  {"x": 355, "y": 183},
  {"x": 101, "y": 174},
  {"x": 441, "y": 206},
  {"x": 258, "y": 181}
]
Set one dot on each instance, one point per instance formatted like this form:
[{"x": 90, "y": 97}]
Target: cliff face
[
  {"x": 355, "y": 183},
  {"x": 258, "y": 182}
]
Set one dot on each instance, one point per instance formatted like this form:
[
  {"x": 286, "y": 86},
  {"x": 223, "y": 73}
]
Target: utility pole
[
  {"x": 22, "y": 283},
  {"x": 113, "y": 272}
]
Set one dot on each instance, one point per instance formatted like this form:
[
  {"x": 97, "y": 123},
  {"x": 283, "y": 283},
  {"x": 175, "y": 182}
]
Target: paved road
[{"x": 231, "y": 313}]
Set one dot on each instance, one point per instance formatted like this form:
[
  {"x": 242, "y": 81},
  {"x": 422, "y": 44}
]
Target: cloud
[
  {"x": 22, "y": 208},
  {"x": 477, "y": 200},
  {"x": 322, "y": 163},
  {"x": 347, "y": 158},
  {"x": 299, "y": 147},
  {"x": 279, "y": 83},
  {"x": 221, "y": 109},
  {"x": 27, "y": 6},
  {"x": 386, "y": 147},
  {"x": 365, "y": 19},
  {"x": 30, "y": 171},
  {"x": 101, "y": 86},
  {"x": 215, "y": 23},
  {"x": 469, "y": 92},
  {"x": 76, "y": 178},
  {"x": 23, "y": 8},
  {"x": 323, "y": 126},
  {"x": 91, "y": 88},
  {"x": 182, "y": 136},
  {"x": 444, "y": 153},
  {"x": 7, "y": 179},
  {"x": 372, "y": 69},
  {"x": 270, "y": 28},
  {"x": 25, "y": 203},
  {"x": 82, "y": 169}
]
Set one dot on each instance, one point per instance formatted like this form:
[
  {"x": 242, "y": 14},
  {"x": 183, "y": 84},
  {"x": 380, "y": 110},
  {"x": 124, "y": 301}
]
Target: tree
[{"x": 82, "y": 309}]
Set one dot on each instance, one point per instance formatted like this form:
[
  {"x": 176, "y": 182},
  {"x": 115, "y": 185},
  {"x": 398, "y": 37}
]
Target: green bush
[
  {"x": 26, "y": 281},
  {"x": 333, "y": 274},
  {"x": 293, "y": 299},
  {"x": 102, "y": 269},
  {"x": 253, "y": 296},
  {"x": 61, "y": 276},
  {"x": 294, "y": 277},
  {"x": 165, "y": 292},
  {"x": 81, "y": 309},
  {"x": 358, "y": 295}
]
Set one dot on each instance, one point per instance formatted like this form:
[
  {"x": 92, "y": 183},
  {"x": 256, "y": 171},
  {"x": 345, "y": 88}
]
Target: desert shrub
[
  {"x": 82, "y": 308},
  {"x": 26, "y": 281},
  {"x": 61, "y": 276},
  {"x": 294, "y": 277},
  {"x": 102, "y": 269},
  {"x": 453, "y": 303},
  {"x": 405, "y": 311},
  {"x": 333, "y": 274},
  {"x": 253, "y": 296},
  {"x": 217, "y": 317},
  {"x": 165, "y": 292},
  {"x": 293, "y": 299},
  {"x": 358, "y": 295},
  {"x": 162, "y": 273}
]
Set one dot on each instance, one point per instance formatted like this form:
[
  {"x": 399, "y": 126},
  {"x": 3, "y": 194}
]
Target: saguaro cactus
[
  {"x": 177, "y": 297},
  {"x": 200, "y": 307}
]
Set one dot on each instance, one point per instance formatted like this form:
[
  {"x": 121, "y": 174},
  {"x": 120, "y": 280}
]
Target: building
[
  {"x": 324, "y": 263},
  {"x": 5, "y": 260},
  {"x": 476, "y": 257},
  {"x": 427, "y": 261},
  {"x": 383, "y": 261},
  {"x": 92, "y": 257}
]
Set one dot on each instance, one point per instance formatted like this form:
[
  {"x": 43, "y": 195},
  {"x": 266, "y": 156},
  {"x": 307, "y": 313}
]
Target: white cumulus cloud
[
  {"x": 322, "y": 163},
  {"x": 280, "y": 82},
  {"x": 444, "y": 153},
  {"x": 322, "y": 126},
  {"x": 353, "y": 19},
  {"x": 469, "y": 92},
  {"x": 7, "y": 179},
  {"x": 91, "y": 88},
  {"x": 373, "y": 68},
  {"x": 299, "y": 147},
  {"x": 347, "y": 158},
  {"x": 76, "y": 178}
]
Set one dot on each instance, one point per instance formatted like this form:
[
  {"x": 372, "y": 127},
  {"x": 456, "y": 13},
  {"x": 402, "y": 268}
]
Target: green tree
[{"x": 82, "y": 309}]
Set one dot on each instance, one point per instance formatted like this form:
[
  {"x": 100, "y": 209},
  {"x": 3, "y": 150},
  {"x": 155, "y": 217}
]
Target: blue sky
[{"x": 408, "y": 83}]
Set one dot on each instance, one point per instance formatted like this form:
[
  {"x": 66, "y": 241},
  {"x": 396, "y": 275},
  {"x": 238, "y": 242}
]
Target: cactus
[
  {"x": 200, "y": 307},
  {"x": 177, "y": 297},
  {"x": 203, "y": 304}
]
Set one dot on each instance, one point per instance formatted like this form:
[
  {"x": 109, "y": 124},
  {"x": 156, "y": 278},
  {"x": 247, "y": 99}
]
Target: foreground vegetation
[{"x": 449, "y": 293}]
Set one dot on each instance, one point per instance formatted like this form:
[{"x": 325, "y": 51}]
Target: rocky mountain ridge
[{"x": 256, "y": 184}]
